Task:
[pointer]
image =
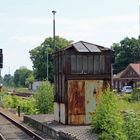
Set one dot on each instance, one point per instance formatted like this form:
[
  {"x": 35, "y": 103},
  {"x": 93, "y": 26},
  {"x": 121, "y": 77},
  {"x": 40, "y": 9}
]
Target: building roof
[
  {"x": 134, "y": 66},
  {"x": 82, "y": 46}
]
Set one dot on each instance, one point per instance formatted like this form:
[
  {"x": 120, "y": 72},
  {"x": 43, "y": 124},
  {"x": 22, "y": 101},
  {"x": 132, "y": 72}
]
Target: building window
[{"x": 88, "y": 64}]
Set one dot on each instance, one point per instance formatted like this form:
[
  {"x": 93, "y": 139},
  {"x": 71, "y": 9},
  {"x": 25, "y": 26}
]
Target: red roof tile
[{"x": 136, "y": 67}]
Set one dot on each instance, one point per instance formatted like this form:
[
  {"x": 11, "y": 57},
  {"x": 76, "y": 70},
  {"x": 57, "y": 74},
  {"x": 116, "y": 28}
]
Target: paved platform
[{"x": 59, "y": 131}]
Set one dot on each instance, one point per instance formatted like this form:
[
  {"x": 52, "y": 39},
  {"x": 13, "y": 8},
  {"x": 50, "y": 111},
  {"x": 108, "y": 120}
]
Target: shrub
[
  {"x": 107, "y": 120},
  {"x": 44, "y": 98},
  {"x": 28, "y": 106},
  {"x": 132, "y": 125},
  {"x": 136, "y": 95},
  {"x": 7, "y": 101}
]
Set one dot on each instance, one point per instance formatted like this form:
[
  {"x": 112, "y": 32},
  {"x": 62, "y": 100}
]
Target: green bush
[
  {"x": 132, "y": 125},
  {"x": 44, "y": 98},
  {"x": 7, "y": 101},
  {"x": 107, "y": 120},
  {"x": 28, "y": 106},
  {"x": 40, "y": 102},
  {"x": 136, "y": 95}
]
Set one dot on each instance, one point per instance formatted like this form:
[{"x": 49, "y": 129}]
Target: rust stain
[
  {"x": 83, "y": 96},
  {"x": 76, "y": 97},
  {"x": 76, "y": 101},
  {"x": 76, "y": 119}
]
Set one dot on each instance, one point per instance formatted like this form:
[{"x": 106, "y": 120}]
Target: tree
[
  {"x": 126, "y": 52},
  {"x": 8, "y": 80},
  {"x": 38, "y": 56},
  {"x": 21, "y": 75},
  {"x": 30, "y": 80}
]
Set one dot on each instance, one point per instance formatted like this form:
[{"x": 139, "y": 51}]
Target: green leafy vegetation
[
  {"x": 107, "y": 120},
  {"x": 44, "y": 98},
  {"x": 20, "y": 76},
  {"x": 132, "y": 125},
  {"x": 40, "y": 102},
  {"x": 126, "y": 52},
  {"x": 117, "y": 117},
  {"x": 38, "y": 56}
]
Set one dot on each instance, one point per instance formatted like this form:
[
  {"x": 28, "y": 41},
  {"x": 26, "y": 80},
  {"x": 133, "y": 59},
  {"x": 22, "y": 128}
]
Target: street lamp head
[{"x": 53, "y": 11}]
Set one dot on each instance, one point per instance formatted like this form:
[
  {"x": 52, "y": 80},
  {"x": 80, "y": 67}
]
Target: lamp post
[
  {"x": 54, "y": 28},
  {"x": 47, "y": 65}
]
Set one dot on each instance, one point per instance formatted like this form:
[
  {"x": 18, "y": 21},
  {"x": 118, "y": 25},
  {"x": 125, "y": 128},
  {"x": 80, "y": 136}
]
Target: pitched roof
[
  {"x": 118, "y": 75},
  {"x": 134, "y": 66},
  {"x": 82, "y": 46}
]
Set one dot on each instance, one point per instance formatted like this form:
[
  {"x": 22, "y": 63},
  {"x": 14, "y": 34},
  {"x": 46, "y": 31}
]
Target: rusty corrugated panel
[
  {"x": 82, "y": 99},
  {"x": 76, "y": 119},
  {"x": 92, "y": 92},
  {"x": 76, "y": 101}
]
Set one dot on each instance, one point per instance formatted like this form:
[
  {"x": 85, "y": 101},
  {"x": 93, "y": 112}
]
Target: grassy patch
[{"x": 126, "y": 103}]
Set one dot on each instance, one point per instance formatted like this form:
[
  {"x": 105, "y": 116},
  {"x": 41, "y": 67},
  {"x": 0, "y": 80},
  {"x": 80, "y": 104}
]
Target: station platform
[{"x": 59, "y": 131}]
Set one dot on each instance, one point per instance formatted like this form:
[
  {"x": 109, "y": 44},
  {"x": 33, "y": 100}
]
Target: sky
[{"x": 24, "y": 25}]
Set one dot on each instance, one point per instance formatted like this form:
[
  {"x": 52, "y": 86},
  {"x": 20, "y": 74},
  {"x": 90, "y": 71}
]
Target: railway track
[{"x": 10, "y": 129}]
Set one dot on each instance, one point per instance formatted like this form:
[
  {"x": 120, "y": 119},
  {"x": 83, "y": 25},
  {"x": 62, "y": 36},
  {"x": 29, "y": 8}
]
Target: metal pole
[
  {"x": 139, "y": 20},
  {"x": 54, "y": 28},
  {"x": 47, "y": 65}
]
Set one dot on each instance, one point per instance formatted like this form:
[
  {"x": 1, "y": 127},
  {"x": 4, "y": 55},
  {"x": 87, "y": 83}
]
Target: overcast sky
[{"x": 24, "y": 24}]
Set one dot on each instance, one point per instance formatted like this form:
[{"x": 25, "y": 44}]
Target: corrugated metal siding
[
  {"x": 76, "y": 101},
  {"x": 82, "y": 100},
  {"x": 92, "y": 90}
]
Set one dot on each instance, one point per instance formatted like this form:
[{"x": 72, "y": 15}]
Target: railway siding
[{"x": 12, "y": 129}]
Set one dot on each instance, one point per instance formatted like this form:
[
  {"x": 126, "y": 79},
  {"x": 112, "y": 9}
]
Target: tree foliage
[
  {"x": 30, "y": 79},
  {"x": 8, "y": 80},
  {"x": 126, "y": 52},
  {"x": 21, "y": 75},
  {"x": 38, "y": 56}
]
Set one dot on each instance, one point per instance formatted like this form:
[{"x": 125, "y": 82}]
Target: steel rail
[
  {"x": 22, "y": 127},
  {"x": 2, "y": 137}
]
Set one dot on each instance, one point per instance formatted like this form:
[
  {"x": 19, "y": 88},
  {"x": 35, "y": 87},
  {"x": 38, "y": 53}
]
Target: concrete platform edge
[{"x": 59, "y": 135}]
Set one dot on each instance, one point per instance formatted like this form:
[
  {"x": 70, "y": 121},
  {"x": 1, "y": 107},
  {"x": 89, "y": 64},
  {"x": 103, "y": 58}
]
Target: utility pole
[
  {"x": 54, "y": 30},
  {"x": 47, "y": 64}
]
